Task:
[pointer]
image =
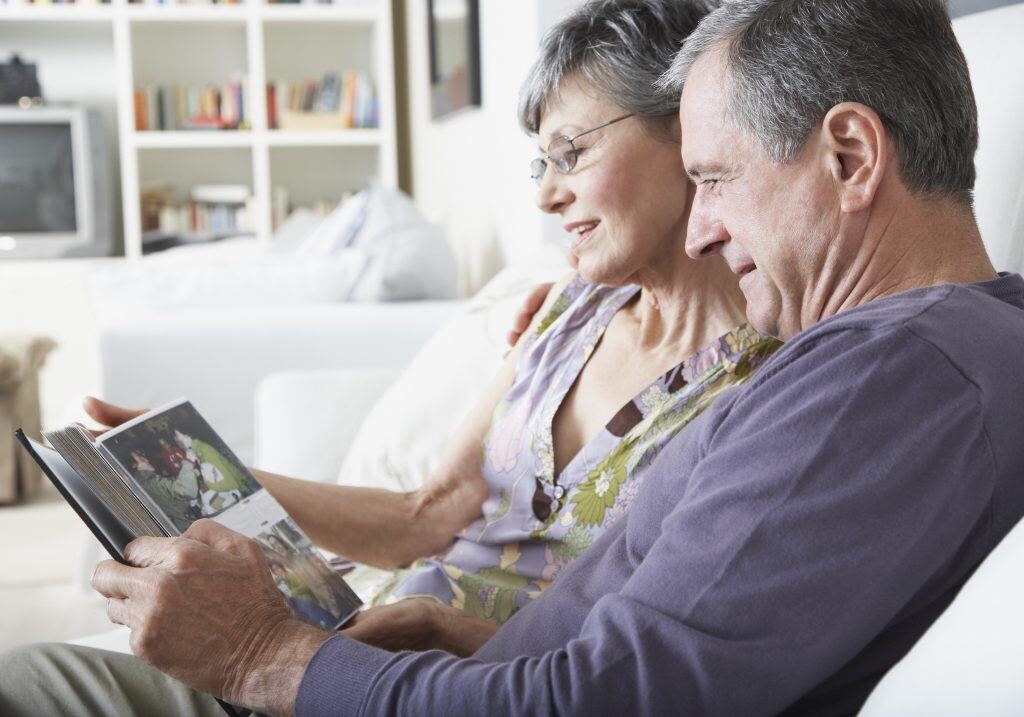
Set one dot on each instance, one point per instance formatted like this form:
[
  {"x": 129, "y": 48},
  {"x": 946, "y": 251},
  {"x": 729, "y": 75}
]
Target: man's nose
[
  {"x": 706, "y": 234},
  {"x": 552, "y": 194}
]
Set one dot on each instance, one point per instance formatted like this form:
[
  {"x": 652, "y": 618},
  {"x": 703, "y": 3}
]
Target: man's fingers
[
  {"x": 535, "y": 299},
  {"x": 117, "y": 611},
  {"x": 521, "y": 321},
  {"x": 113, "y": 580},
  {"x": 211, "y": 533},
  {"x": 147, "y": 551},
  {"x": 531, "y": 305}
]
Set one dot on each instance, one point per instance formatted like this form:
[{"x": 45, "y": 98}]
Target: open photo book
[{"x": 158, "y": 473}]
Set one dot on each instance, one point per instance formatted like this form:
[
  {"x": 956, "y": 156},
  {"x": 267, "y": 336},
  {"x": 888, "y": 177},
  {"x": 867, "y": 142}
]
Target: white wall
[{"x": 471, "y": 169}]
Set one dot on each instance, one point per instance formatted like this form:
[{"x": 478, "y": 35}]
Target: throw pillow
[{"x": 402, "y": 437}]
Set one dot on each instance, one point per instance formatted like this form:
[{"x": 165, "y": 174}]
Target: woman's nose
[{"x": 552, "y": 194}]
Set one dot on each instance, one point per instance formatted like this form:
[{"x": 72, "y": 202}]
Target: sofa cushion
[
  {"x": 403, "y": 435},
  {"x": 406, "y": 256},
  {"x": 969, "y": 662}
]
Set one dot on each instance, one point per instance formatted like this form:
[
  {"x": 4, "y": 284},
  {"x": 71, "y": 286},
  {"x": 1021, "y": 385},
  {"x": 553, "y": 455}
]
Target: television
[{"x": 55, "y": 191}]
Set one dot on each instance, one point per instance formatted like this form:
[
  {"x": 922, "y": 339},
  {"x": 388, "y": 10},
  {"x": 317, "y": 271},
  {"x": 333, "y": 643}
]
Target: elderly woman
[{"x": 623, "y": 354}]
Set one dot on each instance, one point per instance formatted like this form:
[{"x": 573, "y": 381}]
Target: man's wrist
[
  {"x": 272, "y": 669},
  {"x": 458, "y": 632}
]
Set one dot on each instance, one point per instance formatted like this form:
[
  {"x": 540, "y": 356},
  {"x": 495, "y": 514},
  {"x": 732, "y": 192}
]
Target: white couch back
[
  {"x": 992, "y": 42},
  {"x": 969, "y": 662}
]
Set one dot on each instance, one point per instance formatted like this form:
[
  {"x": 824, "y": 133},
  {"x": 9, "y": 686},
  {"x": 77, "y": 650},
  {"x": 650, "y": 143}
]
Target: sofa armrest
[{"x": 306, "y": 420}]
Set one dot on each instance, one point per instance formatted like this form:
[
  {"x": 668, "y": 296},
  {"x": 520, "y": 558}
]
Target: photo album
[{"x": 158, "y": 473}]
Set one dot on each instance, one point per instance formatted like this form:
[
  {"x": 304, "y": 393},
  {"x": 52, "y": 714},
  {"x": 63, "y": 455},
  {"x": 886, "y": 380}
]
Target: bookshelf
[{"x": 256, "y": 43}]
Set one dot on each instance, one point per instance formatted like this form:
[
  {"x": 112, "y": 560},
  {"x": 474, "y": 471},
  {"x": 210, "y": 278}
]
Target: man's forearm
[
  {"x": 461, "y": 633},
  {"x": 368, "y": 525}
]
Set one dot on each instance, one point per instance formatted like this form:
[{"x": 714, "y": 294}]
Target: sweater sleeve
[{"x": 832, "y": 495}]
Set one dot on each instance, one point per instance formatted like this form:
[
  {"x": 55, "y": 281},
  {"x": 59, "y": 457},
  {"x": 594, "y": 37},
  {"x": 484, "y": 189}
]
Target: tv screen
[{"x": 37, "y": 183}]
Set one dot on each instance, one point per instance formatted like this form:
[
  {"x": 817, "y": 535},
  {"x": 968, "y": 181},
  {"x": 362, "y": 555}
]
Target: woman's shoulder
[{"x": 572, "y": 295}]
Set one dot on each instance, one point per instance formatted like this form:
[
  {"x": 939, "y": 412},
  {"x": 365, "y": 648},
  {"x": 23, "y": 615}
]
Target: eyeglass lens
[{"x": 561, "y": 153}]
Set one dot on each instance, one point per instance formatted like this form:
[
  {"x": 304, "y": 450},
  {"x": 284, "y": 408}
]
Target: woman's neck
[{"x": 687, "y": 304}]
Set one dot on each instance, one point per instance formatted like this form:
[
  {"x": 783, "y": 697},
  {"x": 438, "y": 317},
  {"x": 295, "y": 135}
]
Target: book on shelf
[
  {"x": 185, "y": 2},
  {"x": 345, "y": 101},
  {"x": 237, "y": 2},
  {"x": 210, "y": 212},
  {"x": 22, "y": 3},
  {"x": 183, "y": 107},
  {"x": 157, "y": 474}
]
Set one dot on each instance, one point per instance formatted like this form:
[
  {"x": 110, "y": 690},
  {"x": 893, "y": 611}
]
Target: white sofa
[
  {"x": 217, "y": 358},
  {"x": 967, "y": 663},
  {"x": 372, "y": 423}
]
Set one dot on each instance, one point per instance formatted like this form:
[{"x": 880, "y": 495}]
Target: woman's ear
[{"x": 858, "y": 148}]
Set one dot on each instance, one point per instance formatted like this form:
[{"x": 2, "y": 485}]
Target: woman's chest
[{"x": 601, "y": 397}]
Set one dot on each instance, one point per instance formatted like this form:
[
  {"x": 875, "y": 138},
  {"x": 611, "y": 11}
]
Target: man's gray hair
[
  {"x": 790, "y": 61},
  {"x": 620, "y": 47}
]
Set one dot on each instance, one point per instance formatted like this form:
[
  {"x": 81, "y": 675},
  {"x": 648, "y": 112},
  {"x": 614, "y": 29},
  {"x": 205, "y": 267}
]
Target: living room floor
[{"x": 42, "y": 542}]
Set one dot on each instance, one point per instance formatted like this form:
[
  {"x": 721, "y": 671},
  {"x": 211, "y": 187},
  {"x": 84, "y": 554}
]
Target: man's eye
[{"x": 710, "y": 183}]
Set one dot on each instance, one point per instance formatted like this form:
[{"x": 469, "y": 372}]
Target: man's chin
[{"x": 763, "y": 318}]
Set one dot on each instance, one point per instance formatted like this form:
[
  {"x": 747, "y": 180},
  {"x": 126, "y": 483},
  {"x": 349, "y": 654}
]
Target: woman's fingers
[{"x": 107, "y": 414}]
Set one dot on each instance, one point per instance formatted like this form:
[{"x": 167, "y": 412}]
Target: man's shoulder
[{"x": 965, "y": 323}]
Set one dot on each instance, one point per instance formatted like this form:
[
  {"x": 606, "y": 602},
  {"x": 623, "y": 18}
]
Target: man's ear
[{"x": 859, "y": 152}]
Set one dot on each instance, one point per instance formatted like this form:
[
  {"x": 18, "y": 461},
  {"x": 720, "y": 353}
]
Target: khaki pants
[{"x": 57, "y": 679}]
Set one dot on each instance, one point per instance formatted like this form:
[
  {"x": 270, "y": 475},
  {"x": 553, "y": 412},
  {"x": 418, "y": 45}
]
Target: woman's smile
[{"x": 581, "y": 232}]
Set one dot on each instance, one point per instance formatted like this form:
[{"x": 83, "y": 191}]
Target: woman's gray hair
[
  {"x": 790, "y": 61},
  {"x": 619, "y": 47}
]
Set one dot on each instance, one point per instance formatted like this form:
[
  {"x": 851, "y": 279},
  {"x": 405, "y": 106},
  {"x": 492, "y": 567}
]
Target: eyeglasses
[{"x": 562, "y": 153}]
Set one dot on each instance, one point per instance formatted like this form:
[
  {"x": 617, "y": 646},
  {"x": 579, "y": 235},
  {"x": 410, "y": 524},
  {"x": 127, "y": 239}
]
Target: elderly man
[{"x": 788, "y": 549}]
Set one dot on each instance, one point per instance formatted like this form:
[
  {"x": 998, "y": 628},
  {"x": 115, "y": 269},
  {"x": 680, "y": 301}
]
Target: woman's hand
[
  {"x": 420, "y": 624},
  {"x": 108, "y": 415},
  {"x": 531, "y": 305}
]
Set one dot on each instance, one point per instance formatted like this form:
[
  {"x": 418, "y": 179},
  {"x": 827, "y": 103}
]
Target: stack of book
[
  {"x": 346, "y": 101},
  {"x": 176, "y": 107},
  {"x": 211, "y": 212},
  {"x": 184, "y": 2},
  {"x": 54, "y": 2}
]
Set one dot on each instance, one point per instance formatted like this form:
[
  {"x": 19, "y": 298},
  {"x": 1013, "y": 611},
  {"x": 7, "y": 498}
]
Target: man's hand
[
  {"x": 531, "y": 305},
  {"x": 204, "y": 609},
  {"x": 420, "y": 624},
  {"x": 108, "y": 415}
]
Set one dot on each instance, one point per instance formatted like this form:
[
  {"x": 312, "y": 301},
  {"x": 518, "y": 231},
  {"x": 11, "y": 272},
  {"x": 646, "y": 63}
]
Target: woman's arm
[
  {"x": 388, "y": 529},
  {"x": 381, "y": 527}
]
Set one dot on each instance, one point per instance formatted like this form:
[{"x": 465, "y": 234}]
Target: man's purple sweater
[{"x": 783, "y": 552}]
